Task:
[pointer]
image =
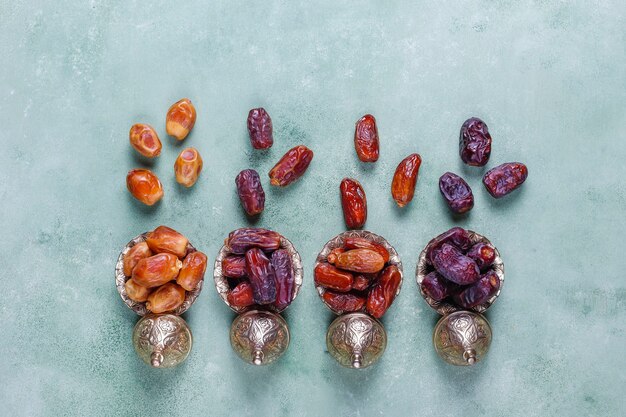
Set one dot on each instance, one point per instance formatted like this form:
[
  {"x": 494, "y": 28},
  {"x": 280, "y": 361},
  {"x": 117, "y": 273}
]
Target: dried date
[
  {"x": 144, "y": 139},
  {"x": 360, "y": 260},
  {"x": 346, "y": 302},
  {"x": 353, "y": 202},
  {"x": 261, "y": 275},
  {"x": 136, "y": 292},
  {"x": 483, "y": 254},
  {"x": 144, "y": 185},
  {"x": 166, "y": 239},
  {"x": 187, "y": 167},
  {"x": 260, "y": 129},
  {"x": 180, "y": 119},
  {"x": 455, "y": 266},
  {"x": 134, "y": 254},
  {"x": 167, "y": 297},
  {"x": 383, "y": 293},
  {"x": 437, "y": 287},
  {"x": 456, "y": 192},
  {"x": 480, "y": 292},
  {"x": 503, "y": 179},
  {"x": 332, "y": 256},
  {"x": 156, "y": 270},
  {"x": 240, "y": 240},
  {"x": 192, "y": 271},
  {"x": 250, "y": 191},
  {"x": 362, "y": 243},
  {"x": 283, "y": 271},
  {"x": 475, "y": 142},
  {"x": 234, "y": 266},
  {"x": 456, "y": 236},
  {"x": 241, "y": 296},
  {"x": 366, "y": 140},
  {"x": 331, "y": 277},
  {"x": 291, "y": 166},
  {"x": 405, "y": 178},
  {"x": 361, "y": 283}
]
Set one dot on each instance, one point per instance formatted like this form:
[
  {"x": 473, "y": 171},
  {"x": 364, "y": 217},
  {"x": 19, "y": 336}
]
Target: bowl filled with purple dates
[
  {"x": 460, "y": 270},
  {"x": 257, "y": 269}
]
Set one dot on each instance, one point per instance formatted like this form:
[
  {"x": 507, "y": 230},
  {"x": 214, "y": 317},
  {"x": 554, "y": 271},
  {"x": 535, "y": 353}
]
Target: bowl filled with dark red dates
[
  {"x": 460, "y": 270},
  {"x": 257, "y": 269},
  {"x": 160, "y": 272},
  {"x": 358, "y": 271}
]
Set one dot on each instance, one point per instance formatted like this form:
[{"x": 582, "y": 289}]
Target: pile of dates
[
  {"x": 357, "y": 276},
  {"x": 162, "y": 269},
  {"x": 461, "y": 272},
  {"x": 258, "y": 270}
]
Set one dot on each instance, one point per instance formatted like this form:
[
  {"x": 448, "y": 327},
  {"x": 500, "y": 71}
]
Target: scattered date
[
  {"x": 291, "y": 166},
  {"x": 405, "y": 178},
  {"x": 475, "y": 142},
  {"x": 503, "y": 179},
  {"x": 353, "y": 203},
  {"x": 456, "y": 192},
  {"x": 250, "y": 192}
]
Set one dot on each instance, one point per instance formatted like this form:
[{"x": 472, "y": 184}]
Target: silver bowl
[
  {"x": 222, "y": 287},
  {"x": 337, "y": 241},
  {"x": 443, "y": 307},
  {"x": 140, "y": 307}
]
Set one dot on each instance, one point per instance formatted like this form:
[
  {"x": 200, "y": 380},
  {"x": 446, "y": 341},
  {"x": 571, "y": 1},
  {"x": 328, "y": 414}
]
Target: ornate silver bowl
[
  {"x": 443, "y": 307},
  {"x": 140, "y": 307}
]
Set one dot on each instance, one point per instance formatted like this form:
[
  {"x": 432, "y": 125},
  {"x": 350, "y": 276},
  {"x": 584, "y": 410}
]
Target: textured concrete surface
[{"x": 547, "y": 76}]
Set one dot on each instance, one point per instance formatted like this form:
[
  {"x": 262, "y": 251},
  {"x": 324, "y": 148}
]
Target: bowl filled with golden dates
[{"x": 160, "y": 272}]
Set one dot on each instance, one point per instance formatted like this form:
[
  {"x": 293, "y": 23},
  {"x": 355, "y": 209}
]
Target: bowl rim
[
  {"x": 423, "y": 267},
  {"x": 140, "y": 307},
  {"x": 221, "y": 282},
  {"x": 337, "y": 241}
]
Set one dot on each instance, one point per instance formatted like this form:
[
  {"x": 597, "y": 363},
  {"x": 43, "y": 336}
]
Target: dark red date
[
  {"x": 353, "y": 202},
  {"x": 240, "y": 240},
  {"x": 261, "y": 275},
  {"x": 383, "y": 293},
  {"x": 405, "y": 178},
  {"x": 483, "y": 254},
  {"x": 260, "y": 129},
  {"x": 241, "y": 296},
  {"x": 456, "y": 236},
  {"x": 250, "y": 191},
  {"x": 455, "y": 266},
  {"x": 328, "y": 276},
  {"x": 479, "y": 292},
  {"x": 456, "y": 192},
  {"x": 347, "y": 302},
  {"x": 361, "y": 283},
  {"x": 234, "y": 266},
  {"x": 437, "y": 287},
  {"x": 291, "y": 166},
  {"x": 283, "y": 271},
  {"x": 366, "y": 140},
  {"x": 475, "y": 142},
  {"x": 503, "y": 179}
]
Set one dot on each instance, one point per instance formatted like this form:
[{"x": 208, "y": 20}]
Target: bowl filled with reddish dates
[
  {"x": 257, "y": 269},
  {"x": 460, "y": 270},
  {"x": 160, "y": 272},
  {"x": 358, "y": 271}
]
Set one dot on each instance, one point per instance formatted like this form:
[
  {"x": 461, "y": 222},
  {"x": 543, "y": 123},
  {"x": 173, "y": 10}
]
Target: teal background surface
[{"x": 548, "y": 77}]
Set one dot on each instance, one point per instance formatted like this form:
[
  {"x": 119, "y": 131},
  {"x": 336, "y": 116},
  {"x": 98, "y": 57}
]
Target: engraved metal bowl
[
  {"x": 162, "y": 340},
  {"x": 221, "y": 282},
  {"x": 140, "y": 307},
  {"x": 462, "y": 338},
  {"x": 337, "y": 241},
  {"x": 444, "y": 307},
  {"x": 259, "y": 337},
  {"x": 356, "y": 340}
]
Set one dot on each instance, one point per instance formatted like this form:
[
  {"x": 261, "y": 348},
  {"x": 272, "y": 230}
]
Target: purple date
[
  {"x": 240, "y": 240},
  {"x": 475, "y": 142},
  {"x": 483, "y": 254},
  {"x": 262, "y": 278},
  {"x": 456, "y": 236},
  {"x": 456, "y": 192},
  {"x": 437, "y": 287},
  {"x": 478, "y": 293},
  {"x": 250, "y": 191},
  {"x": 505, "y": 178},
  {"x": 260, "y": 129},
  {"x": 283, "y": 271},
  {"x": 455, "y": 266}
]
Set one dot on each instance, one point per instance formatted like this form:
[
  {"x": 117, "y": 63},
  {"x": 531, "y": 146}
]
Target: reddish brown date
[
  {"x": 260, "y": 129},
  {"x": 456, "y": 236},
  {"x": 241, "y": 295},
  {"x": 134, "y": 254},
  {"x": 437, "y": 287},
  {"x": 156, "y": 270},
  {"x": 360, "y": 260},
  {"x": 456, "y": 192},
  {"x": 328, "y": 276},
  {"x": 347, "y": 302},
  {"x": 240, "y": 240},
  {"x": 383, "y": 293},
  {"x": 144, "y": 185},
  {"x": 503, "y": 179},
  {"x": 366, "y": 140},
  {"x": 455, "y": 266},
  {"x": 361, "y": 283},
  {"x": 361, "y": 243},
  {"x": 475, "y": 142},
  {"x": 165, "y": 239},
  {"x": 234, "y": 266},
  {"x": 261, "y": 275},
  {"x": 332, "y": 256},
  {"x": 192, "y": 272},
  {"x": 283, "y": 270},
  {"x": 353, "y": 202},
  {"x": 405, "y": 178},
  {"x": 483, "y": 254},
  {"x": 479, "y": 292},
  {"x": 144, "y": 139},
  {"x": 291, "y": 166},
  {"x": 250, "y": 191}
]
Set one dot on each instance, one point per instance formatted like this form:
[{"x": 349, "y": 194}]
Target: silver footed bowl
[
  {"x": 140, "y": 307},
  {"x": 444, "y": 307},
  {"x": 356, "y": 340},
  {"x": 222, "y": 287},
  {"x": 462, "y": 338},
  {"x": 337, "y": 241}
]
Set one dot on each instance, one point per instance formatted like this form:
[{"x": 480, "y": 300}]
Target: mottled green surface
[{"x": 547, "y": 76}]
